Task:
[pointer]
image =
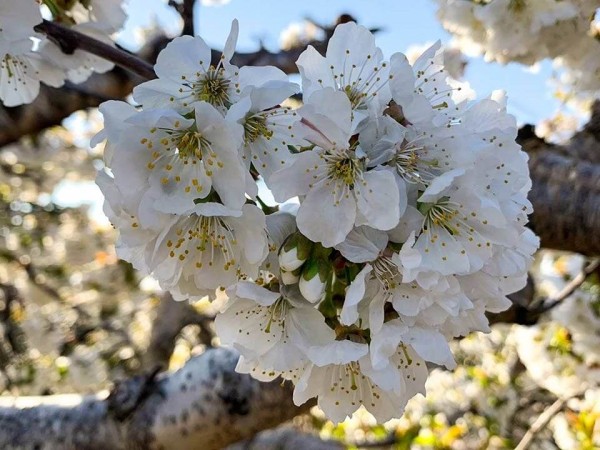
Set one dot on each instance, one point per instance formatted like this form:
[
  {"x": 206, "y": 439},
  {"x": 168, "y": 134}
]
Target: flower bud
[
  {"x": 289, "y": 277},
  {"x": 314, "y": 279},
  {"x": 294, "y": 252},
  {"x": 288, "y": 260}
]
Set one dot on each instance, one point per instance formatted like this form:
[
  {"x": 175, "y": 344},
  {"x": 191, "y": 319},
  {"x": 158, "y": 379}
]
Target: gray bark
[{"x": 206, "y": 405}]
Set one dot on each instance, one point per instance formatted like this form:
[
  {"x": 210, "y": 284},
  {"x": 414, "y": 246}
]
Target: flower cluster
[
  {"x": 517, "y": 30},
  {"x": 410, "y": 224},
  {"x": 528, "y": 31},
  {"x": 28, "y": 58}
]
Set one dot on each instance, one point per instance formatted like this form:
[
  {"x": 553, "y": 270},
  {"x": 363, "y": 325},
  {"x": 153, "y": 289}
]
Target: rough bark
[
  {"x": 566, "y": 201},
  {"x": 204, "y": 405}
]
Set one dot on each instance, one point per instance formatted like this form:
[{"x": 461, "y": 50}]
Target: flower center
[
  {"x": 277, "y": 313},
  {"x": 190, "y": 144},
  {"x": 385, "y": 270},
  {"x": 356, "y": 97},
  {"x": 344, "y": 168},
  {"x": 440, "y": 214},
  {"x": 213, "y": 88},
  {"x": 255, "y": 126},
  {"x": 207, "y": 238},
  {"x": 409, "y": 164}
]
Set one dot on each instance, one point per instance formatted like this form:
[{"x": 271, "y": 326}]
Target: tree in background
[{"x": 409, "y": 235}]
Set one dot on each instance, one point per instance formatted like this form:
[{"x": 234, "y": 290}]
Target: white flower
[
  {"x": 180, "y": 161},
  {"x": 341, "y": 189},
  {"x": 363, "y": 244},
  {"x": 211, "y": 247},
  {"x": 353, "y": 64},
  {"x": 380, "y": 283},
  {"x": 21, "y": 72},
  {"x": 517, "y": 30},
  {"x": 343, "y": 378},
  {"x": 95, "y": 18},
  {"x": 289, "y": 260},
  {"x": 423, "y": 90},
  {"x": 395, "y": 336},
  {"x": 270, "y": 329},
  {"x": 133, "y": 238},
  {"x": 186, "y": 76},
  {"x": 22, "y": 69},
  {"x": 268, "y": 127}
]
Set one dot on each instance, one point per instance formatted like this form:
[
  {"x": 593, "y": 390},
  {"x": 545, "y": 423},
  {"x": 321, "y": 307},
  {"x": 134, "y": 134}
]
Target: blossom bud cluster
[
  {"x": 28, "y": 58},
  {"x": 410, "y": 224},
  {"x": 528, "y": 31}
]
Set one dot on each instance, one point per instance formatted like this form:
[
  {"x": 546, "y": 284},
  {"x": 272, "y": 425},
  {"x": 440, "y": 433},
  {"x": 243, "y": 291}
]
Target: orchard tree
[{"x": 407, "y": 215}]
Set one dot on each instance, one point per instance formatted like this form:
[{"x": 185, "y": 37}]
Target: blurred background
[{"x": 73, "y": 318}]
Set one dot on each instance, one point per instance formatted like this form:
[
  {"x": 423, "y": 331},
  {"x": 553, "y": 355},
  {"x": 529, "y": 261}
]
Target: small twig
[
  {"x": 70, "y": 40},
  {"x": 540, "y": 423},
  {"x": 572, "y": 286}
]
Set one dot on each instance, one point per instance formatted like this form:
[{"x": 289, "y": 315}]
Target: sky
[{"x": 403, "y": 22}]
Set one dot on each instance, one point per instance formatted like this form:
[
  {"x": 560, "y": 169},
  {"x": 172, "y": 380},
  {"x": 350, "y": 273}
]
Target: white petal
[
  {"x": 324, "y": 218},
  {"x": 378, "y": 199},
  {"x": 363, "y": 244},
  {"x": 354, "y": 294},
  {"x": 231, "y": 42}
]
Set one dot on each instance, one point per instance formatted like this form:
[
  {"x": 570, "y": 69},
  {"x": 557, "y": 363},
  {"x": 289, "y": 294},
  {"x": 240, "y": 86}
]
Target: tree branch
[
  {"x": 566, "y": 201},
  {"x": 171, "y": 317},
  {"x": 186, "y": 11},
  {"x": 204, "y": 405},
  {"x": 70, "y": 40},
  {"x": 540, "y": 423},
  {"x": 571, "y": 287}
]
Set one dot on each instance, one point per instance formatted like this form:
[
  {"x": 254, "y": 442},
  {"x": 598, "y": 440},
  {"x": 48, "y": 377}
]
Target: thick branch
[
  {"x": 70, "y": 40},
  {"x": 566, "y": 202},
  {"x": 204, "y": 405}
]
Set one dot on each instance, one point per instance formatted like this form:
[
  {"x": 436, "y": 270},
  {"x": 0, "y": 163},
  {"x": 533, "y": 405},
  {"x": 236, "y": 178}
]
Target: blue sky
[{"x": 404, "y": 23}]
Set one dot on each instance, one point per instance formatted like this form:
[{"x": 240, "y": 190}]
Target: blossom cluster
[
  {"x": 28, "y": 58},
  {"x": 409, "y": 223},
  {"x": 528, "y": 31}
]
